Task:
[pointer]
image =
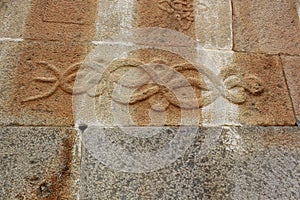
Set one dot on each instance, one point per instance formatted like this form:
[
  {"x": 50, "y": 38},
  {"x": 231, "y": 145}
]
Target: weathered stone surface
[
  {"x": 12, "y": 17},
  {"x": 213, "y": 22},
  {"x": 291, "y": 66},
  {"x": 70, "y": 12},
  {"x": 221, "y": 111},
  {"x": 44, "y": 83},
  {"x": 9, "y": 53},
  {"x": 244, "y": 163},
  {"x": 244, "y": 82},
  {"x": 154, "y": 101},
  {"x": 25, "y": 99},
  {"x": 114, "y": 17},
  {"x": 298, "y": 8},
  {"x": 210, "y": 23},
  {"x": 46, "y": 68},
  {"x": 191, "y": 176},
  {"x": 61, "y": 20},
  {"x": 266, "y": 163},
  {"x": 244, "y": 102},
  {"x": 231, "y": 88},
  {"x": 177, "y": 16},
  {"x": 266, "y": 26},
  {"x": 38, "y": 163},
  {"x": 269, "y": 102}
]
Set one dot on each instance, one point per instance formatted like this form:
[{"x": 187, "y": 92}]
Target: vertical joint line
[{"x": 288, "y": 89}]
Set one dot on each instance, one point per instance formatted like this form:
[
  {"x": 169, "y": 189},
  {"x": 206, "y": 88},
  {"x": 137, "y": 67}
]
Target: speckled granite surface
[{"x": 245, "y": 163}]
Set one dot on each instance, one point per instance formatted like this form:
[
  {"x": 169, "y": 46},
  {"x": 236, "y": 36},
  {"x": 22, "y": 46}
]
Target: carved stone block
[
  {"x": 270, "y": 103},
  {"x": 44, "y": 82},
  {"x": 175, "y": 15},
  {"x": 158, "y": 87}
]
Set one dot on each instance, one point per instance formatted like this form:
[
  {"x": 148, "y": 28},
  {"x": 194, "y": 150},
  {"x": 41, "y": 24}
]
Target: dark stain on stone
[
  {"x": 297, "y": 122},
  {"x": 82, "y": 127},
  {"x": 57, "y": 184}
]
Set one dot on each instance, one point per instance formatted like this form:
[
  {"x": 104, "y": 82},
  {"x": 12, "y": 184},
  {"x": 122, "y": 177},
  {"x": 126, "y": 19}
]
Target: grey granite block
[
  {"x": 221, "y": 163},
  {"x": 38, "y": 163}
]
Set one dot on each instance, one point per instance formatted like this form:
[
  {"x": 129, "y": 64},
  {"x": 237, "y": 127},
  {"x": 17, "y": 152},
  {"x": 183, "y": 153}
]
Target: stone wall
[{"x": 149, "y": 99}]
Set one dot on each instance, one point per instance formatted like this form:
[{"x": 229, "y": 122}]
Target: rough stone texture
[
  {"x": 36, "y": 82},
  {"x": 141, "y": 109},
  {"x": 245, "y": 102},
  {"x": 9, "y": 52},
  {"x": 213, "y": 22},
  {"x": 264, "y": 78},
  {"x": 246, "y": 163},
  {"x": 266, "y": 163},
  {"x": 38, "y": 163},
  {"x": 221, "y": 111},
  {"x": 266, "y": 26},
  {"x": 12, "y": 17},
  {"x": 70, "y": 12},
  {"x": 298, "y": 8},
  {"x": 44, "y": 82},
  {"x": 190, "y": 177},
  {"x": 51, "y": 54},
  {"x": 48, "y": 20},
  {"x": 114, "y": 17},
  {"x": 245, "y": 79},
  {"x": 291, "y": 66},
  {"x": 166, "y": 14},
  {"x": 27, "y": 101},
  {"x": 208, "y": 22}
]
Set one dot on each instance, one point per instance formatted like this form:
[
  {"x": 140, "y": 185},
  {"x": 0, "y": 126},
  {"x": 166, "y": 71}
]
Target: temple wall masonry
[{"x": 149, "y": 99}]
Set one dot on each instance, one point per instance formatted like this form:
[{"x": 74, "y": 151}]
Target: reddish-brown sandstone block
[
  {"x": 47, "y": 69},
  {"x": 58, "y": 20},
  {"x": 154, "y": 98},
  {"x": 44, "y": 82},
  {"x": 167, "y": 14},
  {"x": 70, "y": 12},
  {"x": 269, "y": 102},
  {"x": 253, "y": 84},
  {"x": 291, "y": 66},
  {"x": 266, "y": 26}
]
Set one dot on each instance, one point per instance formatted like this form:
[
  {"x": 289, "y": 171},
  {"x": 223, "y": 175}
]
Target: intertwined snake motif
[
  {"x": 235, "y": 87},
  {"x": 62, "y": 80}
]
